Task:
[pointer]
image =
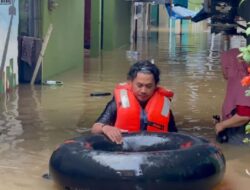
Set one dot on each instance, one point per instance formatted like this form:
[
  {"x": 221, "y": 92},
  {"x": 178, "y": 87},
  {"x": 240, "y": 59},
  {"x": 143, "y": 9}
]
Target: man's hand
[
  {"x": 113, "y": 133},
  {"x": 219, "y": 127}
]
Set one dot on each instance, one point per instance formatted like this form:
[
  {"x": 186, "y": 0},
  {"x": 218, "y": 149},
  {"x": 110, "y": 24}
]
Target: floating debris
[
  {"x": 100, "y": 94},
  {"x": 52, "y": 82}
]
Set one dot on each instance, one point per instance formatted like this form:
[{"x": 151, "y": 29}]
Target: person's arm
[
  {"x": 97, "y": 128},
  {"x": 241, "y": 117},
  {"x": 113, "y": 133},
  {"x": 105, "y": 124},
  {"x": 107, "y": 118},
  {"x": 171, "y": 125},
  {"x": 234, "y": 121}
]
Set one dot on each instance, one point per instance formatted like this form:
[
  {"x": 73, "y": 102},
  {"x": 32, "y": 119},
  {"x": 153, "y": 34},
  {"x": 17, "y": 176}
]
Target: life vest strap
[{"x": 155, "y": 125}]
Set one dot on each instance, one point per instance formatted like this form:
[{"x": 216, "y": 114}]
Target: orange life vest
[{"x": 129, "y": 110}]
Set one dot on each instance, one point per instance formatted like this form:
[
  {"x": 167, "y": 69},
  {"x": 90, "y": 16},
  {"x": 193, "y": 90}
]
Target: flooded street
[{"x": 34, "y": 120}]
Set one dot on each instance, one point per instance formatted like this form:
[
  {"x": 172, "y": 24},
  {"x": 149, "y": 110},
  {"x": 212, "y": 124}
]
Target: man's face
[{"x": 143, "y": 86}]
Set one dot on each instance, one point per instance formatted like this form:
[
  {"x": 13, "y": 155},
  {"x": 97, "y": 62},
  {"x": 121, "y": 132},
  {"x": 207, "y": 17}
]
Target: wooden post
[{"x": 40, "y": 58}]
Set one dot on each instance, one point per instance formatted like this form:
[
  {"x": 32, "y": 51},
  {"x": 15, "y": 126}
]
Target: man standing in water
[
  {"x": 138, "y": 105},
  {"x": 236, "y": 105}
]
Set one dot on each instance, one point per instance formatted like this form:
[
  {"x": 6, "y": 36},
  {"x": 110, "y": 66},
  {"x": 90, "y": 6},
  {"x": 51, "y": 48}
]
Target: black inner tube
[
  {"x": 135, "y": 143},
  {"x": 144, "y": 161}
]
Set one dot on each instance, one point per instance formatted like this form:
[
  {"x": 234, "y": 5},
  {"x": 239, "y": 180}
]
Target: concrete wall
[
  {"x": 65, "y": 48},
  {"x": 116, "y": 29},
  {"x": 110, "y": 25}
]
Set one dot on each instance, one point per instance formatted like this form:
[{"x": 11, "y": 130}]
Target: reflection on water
[{"x": 34, "y": 120}]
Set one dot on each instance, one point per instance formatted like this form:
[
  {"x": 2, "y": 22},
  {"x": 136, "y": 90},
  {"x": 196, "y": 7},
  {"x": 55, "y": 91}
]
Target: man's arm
[
  {"x": 241, "y": 117},
  {"x": 234, "y": 121},
  {"x": 171, "y": 125},
  {"x": 107, "y": 118},
  {"x": 105, "y": 124}
]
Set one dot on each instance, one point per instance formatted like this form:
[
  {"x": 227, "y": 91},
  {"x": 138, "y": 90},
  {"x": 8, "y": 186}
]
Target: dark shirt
[{"x": 108, "y": 116}]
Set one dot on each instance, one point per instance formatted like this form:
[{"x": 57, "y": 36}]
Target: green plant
[
  {"x": 247, "y": 129},
  {"x": 245, "y": 55}
]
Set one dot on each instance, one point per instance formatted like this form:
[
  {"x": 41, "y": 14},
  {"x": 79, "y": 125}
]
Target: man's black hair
[{"x": 144, "y": 67}]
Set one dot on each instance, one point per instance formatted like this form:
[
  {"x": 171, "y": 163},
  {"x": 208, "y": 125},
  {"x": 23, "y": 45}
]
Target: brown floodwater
[{"x": 35, "y": 119}]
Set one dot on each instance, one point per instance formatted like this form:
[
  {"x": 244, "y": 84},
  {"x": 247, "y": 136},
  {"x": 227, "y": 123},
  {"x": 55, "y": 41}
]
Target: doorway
[
  {"x": 87, "y": 24},
  {"x": 29, "y": 40}
]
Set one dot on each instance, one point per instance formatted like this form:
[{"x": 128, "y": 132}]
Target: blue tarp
[{"x": 178, "y": 12}]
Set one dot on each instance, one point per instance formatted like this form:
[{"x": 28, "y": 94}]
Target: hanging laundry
[{"x": 27, "y": 49}]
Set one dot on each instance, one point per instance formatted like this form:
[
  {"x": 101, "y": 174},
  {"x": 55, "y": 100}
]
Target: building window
[{"x": 5, "y": 2}]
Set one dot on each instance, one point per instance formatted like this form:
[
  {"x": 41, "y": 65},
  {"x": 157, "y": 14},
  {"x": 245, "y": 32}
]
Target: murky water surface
[{"x": 34, "y": 120}]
